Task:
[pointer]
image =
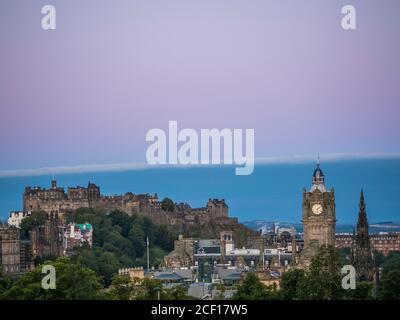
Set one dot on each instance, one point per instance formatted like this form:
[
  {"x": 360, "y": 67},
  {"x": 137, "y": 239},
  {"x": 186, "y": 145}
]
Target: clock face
[{"x": 317, "y": 208}]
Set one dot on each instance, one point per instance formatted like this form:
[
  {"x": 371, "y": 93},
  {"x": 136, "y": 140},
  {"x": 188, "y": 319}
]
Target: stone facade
[
  {"x": 47, "y": 240},
  {"x": 182, "y": 255},
  {"x": 133, "y": 273},
  {"x": 56, "y": 200},
  {"x": 319, "y": 216},
  {"x": 383, "y": 242},
  {"x": 10, "y": 251}
]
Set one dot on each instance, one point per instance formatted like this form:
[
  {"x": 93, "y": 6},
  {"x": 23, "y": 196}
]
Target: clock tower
[{"x": 319, "y": 217}]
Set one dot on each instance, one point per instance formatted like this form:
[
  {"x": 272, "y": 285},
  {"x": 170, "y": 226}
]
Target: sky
[{"x": 87, "y": 92}]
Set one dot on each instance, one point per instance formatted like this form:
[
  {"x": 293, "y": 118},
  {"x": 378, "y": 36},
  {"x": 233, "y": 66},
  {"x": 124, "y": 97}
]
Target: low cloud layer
[{"x": 118, "y": 167}]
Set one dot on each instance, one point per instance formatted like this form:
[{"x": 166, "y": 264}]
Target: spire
[
  {"x": 362, "y": 215},
  {"x": 362, "y": 202},
  {"x": 362, "y": 257},
  {"x": 318, "y": 178}
]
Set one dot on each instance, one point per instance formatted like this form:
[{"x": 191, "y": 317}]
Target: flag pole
[{"x": 148, "y": 256}]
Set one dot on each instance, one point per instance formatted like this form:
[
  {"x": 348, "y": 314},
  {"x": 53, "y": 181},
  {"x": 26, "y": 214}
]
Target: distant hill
[{"x": 376, "y": 227}]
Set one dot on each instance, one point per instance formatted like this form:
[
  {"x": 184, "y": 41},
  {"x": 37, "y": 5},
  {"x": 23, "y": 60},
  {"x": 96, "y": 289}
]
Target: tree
[
  {"x": 390, "y": 285},
  {"x": 252, "y": 289},
  {"x": 121, "y": 219},
  {"x": 149, "y": 289},
  {"x": 323, "y": 280},
  {"x": 5, "y": 284},
  {"x": 290, "y": 283},
  {"x": 37, "y": 218},
  {"x": 363, "y": 291},
  {"x": 178, "y": 292},
  {"x": 73, "y": 282},
  {"x": 164, "y": 238},
  {"x": 119, "y": 241},
  {"x": 121, "y": 288},
  {"x": 167, "y": 205}
]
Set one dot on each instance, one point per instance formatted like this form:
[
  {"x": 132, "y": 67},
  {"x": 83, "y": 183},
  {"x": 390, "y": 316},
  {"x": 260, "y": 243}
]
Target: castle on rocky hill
[{"x": 57, "y": 200}]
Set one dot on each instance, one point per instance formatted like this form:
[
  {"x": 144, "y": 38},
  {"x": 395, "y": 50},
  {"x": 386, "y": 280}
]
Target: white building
[{"x": 16, "y": 217}]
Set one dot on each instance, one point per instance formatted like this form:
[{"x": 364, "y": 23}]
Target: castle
[{"x": 56, "y": 200}]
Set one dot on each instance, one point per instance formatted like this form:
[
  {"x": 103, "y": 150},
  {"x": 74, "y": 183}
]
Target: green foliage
[
  {"x": 252, "y": 289},
  {"x": 392, "y": 261},
  {"x": 363, "y": 291},
  {"x": 121, "y": 288},
  {"x": 290, "y": 283},
  {"x": 119, "y": 240},
  {"x": 176, "y": 293},
  {"x": 167, "y": 205},
  {"x": 124, "y": 288},
  {"x": 323, "y": 280},
  {"x": 390, "y": 282},
  {"x": 73, "y": 282},
  {"x": 5, "y": 284},
  {"x": 148, "y": 290},
  {"x": 390, "y": 285},
  {"x": 379, "y": 258},
  {"x": 37, "y": 218}
]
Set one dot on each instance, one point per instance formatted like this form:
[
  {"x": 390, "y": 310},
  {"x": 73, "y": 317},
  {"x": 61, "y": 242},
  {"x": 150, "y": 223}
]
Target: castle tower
[
  {"x": 217, "y": 208},
  {"x": 319, "y": 216},
  {"x": 362, "y": 258},
  {"x": 93, "y": 192}
]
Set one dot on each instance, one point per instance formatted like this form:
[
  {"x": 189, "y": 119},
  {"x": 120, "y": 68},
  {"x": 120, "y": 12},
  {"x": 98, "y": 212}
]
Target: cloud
[
  {"x": 329, "y": 157},
  {"x": 118, "y": 167}
]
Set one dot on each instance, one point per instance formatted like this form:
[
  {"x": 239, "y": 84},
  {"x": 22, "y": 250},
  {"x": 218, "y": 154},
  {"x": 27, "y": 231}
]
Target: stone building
[
  {"x": 133, "y": 273},
  {"x": 212, "y": 252},
  {"x": 182, "y": 255},
  {"x": 15, "y": 254},
  {"x": 362, "y": 255},
  {"x": 76, "y": 235},
  {"x": 48, "y": 240},
  {"x": 10, "y": 251},
  {"x": 319, "y": 216},
  {"x": 56, "y": 200},
  {"x": 383, "y": 242}
]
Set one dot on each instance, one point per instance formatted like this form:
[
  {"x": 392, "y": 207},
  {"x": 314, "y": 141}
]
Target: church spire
[{"x": 362, "y": 222}]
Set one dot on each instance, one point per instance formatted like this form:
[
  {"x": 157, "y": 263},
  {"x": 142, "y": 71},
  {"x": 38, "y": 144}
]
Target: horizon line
[{"x": 130, "y": 166}]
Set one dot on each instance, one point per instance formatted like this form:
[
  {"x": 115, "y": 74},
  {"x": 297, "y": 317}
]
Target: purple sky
[{"x": 89, "y": 91}]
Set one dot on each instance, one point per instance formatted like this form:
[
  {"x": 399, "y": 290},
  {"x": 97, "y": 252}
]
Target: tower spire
[
  {"x": 362, "y": 253},
  {"x": 362, "y": 215},
  {"x": 318, "y": 181}
]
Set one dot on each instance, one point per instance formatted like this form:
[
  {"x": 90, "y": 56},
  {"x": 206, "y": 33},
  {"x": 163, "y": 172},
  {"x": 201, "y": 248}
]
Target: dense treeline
[
  {"x": 321, "y": 281},
  {"x": 76, "y": 282},
  {"x": 119, "y": 240}
]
